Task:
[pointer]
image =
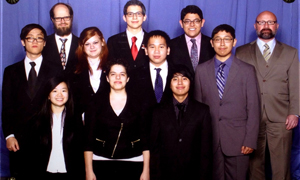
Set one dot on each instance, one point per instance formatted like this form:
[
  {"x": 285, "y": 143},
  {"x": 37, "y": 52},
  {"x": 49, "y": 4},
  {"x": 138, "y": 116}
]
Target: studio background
[{"x": 161, "y": 14}]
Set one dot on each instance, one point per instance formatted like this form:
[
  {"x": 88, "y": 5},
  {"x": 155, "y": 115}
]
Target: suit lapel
[
  {"x": 234, "y": 69},
  {"x": 185, "y": 51},
  {"x": 212, "y": 82},
  {"x": 71, "y": 56},
  {"x": 124, "y": 45}
]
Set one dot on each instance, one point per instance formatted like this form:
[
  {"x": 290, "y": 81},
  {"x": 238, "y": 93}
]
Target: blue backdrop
[{"x": 162, "y": 14}]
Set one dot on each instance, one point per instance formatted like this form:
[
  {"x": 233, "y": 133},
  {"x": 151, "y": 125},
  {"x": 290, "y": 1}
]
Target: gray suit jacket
[
  {"x": 278, "y": 80},
  {"x": 235, "y": 118}
]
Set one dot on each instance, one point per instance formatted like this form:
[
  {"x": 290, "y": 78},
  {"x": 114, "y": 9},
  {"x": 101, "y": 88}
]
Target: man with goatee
[
  {"x": 61, "y": 45},
  {"x": 277, "y": 71}
]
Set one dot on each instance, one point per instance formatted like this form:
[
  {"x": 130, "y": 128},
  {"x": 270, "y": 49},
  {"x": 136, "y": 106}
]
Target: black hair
[
  {"x": 223, "y": 27},
  {"x": 191, "y": 9},
  {"x": 26, "y": 29},
  {"x": 158, "y": 33},
  {"x": 68, "y": 6},
  {"x": 117, "y": 61},
  {"x": 134, "y": 3}
]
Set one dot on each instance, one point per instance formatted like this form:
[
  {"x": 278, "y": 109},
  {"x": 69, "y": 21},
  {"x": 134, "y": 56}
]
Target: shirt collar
[
  {"x": 139, "y": 35},
  {"x": 38, "y": 61},
  {"x": 69, "y": 37},
  {"x": 261, "y": 44},
  {"x": 163, "y": 66},
  {"x": 185, "y": 102},
  {"x": 228, "y": 62},
  {"x": 188, "y": 39}
]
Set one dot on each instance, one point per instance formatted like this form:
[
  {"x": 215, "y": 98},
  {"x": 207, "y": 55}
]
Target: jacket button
[
  {"x": 180, "y": 140},
  {"x": 264, "y": 80}
]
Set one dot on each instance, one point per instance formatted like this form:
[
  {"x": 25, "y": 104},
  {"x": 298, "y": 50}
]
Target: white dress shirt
[
  {"x": 67, "y": 44},
  {"x": 95, "y": 77},
  {"x": 139, "y": 36},
  {"x": 163, "y": 73}
]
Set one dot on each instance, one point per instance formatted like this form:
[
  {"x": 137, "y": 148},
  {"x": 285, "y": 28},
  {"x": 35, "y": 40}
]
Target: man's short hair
[
  {"x": 26, "y": 29},
  {"x": 134, "y": 3},
  {"x": 191, "y": 9},
  {"x": 158, "y": 33},
  {"x": 223, "y": 27},
  {"x": 68, "y": 6},
  {"x": 182, "y": 69}
]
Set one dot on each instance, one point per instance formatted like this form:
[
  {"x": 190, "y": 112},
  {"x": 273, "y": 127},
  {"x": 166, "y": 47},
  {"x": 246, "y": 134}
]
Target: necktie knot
[
  {"x": 63, "y": 40},
  {"x": 266, "y": 46},
  {"x": 267, "y": 52},
  {"x": 157, "y": 70},
  {"x": 133, "y": 39},
  {"x": 32, "y": 64},
  {"x": 193, "y": 41},
  {"x": 180, "y": 106},
  {"x": 221, "y": 66}
]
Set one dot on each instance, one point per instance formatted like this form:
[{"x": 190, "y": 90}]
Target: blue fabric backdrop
[{"x": 162, "y": 14}]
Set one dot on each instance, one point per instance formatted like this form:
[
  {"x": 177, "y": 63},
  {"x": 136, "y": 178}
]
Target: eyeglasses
[
  {"x": 264, "y": 22},
  {"x": 219, "y": 40},
  {"x": 195, "y": 21},
  {"x": 31, "y": 39},
  {"x": 138, "y": 14},
  {"x": 58, "y": 19}
]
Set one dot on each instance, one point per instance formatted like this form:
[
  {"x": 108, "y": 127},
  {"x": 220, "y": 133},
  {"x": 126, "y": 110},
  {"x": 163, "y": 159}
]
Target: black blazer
[
  {"x": 17, "y": 106},
  {"x": 51, "y": 52},
  {"x": 181, "y": 152},
  {"x": 179, "y": 53},
  {"x": 118, "y": 47},
  {"x": 104, "y": 129}
]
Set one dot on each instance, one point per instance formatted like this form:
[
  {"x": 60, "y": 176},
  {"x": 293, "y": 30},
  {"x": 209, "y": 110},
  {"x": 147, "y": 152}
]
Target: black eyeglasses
[
  {"x": 31, "y": 39},
  {"x": 138, "y": 14},
  {"x": 58, "y": 19},
  {"x": 264, "y": 22},
  {"x": 195, "y": 21}
]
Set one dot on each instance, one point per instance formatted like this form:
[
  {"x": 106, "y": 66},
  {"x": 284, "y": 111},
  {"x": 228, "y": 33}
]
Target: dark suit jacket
[
  {"x": 179, "y": 53},
  {"x": 118, "y": 47},
  {"x": 236, "y": 117},
  {"x": 17, "y": 106},
  {"x": 184, "y": 152},
  {"x": 278, "y": 81},
  {"x": 51, "y": 52}
]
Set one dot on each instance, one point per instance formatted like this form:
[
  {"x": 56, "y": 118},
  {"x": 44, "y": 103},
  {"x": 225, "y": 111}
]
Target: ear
[
  {"x": 181, "y": 23},
  {"x": 127, "y": 79},
  {"x": 107, "y": 79},
  {"x": 168, "y": 51},
  {"x": 234, "y": 42},
  {"x": 146, "y": 51},
  {"x": 145, "y": 17},
  {"x": 124, "y": 18},
  {"x": 202, "y": 22},
  {"x": 211, "y": 42},
  {"x": 23, "y": 43}
]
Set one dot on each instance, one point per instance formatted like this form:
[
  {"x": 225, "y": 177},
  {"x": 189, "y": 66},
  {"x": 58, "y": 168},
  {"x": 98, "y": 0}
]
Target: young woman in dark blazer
[
  {"x": 115, "y": 127},
  {"x": 57, "y": 135}
]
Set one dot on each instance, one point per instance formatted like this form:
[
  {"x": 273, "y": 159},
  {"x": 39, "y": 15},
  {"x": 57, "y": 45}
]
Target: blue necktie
[
  {"x": 194, "y": 54},
  {"x": 158, "y": 89},
  {"x": 221, "y": 80}
]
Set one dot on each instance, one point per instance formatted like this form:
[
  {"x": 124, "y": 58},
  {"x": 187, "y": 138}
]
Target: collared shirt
[
  {"x": 175, "y": 102},
  {"x": 139, "y": 36},
  {"x": 226, "y": 69},
  {"x": 190, "y": 44},
  {"x": 38, "y": 63},
  {"x": 163, "y": 73},
  {"x": 67, "y": 44},
  {"x": 57, "y": 160},
  {"x": 95, "y": 77},
  {"x": 261, "y": 44}
]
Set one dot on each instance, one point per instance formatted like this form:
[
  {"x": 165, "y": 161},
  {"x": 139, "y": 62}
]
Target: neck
[
  {"x": 57, "y": 109},
  {"x": 93, "y": 60},
  {"x": 223, "y": 59},
  {"x": 134, "y": 31},
  {"x": 266, "y": 40},
  {"x": 180, "y": 99},
  {"x": 117, "y": 93},
  {"x": 33, "y": 56},
  {"x": 64, "y": 36}
]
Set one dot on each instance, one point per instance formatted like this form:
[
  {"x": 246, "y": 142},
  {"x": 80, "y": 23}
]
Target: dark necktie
[
  {"x": 134, "y": 50},
  {"x": 267, "y": 52},
  {"x": 158, "y": 89},
  {"x": 221, "y": 80},
  {"x": 32, "y": 77},
  {"x": 62, "y": 53},
  {"x": 194, "y": 54},
  {"x": 180, "y": 107}
]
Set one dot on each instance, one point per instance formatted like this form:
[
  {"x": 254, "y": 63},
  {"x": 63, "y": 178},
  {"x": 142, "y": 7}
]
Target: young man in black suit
[
  {"x": 192, "y": 47},
  {"x": 23, "y": 84},
  {"x": 181, "y": 134},
  {"x": 130, "y": 43},
  {"x": 61, "y": 45}
]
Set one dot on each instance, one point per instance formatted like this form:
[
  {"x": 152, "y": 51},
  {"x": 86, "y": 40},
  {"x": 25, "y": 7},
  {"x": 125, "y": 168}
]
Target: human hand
[
  {"x": 246, "y": 150},
  {"x": 291, "y": 122},
  {"x": 12, "y": 144}
]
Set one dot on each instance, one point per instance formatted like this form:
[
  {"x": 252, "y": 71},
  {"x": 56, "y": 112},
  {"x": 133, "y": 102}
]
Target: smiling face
[
  {"x": 92, "y": 47},
  {"x": 134, "y": 23},
  {"x": 34, "y": 49},
  {"x": 157, "y": 50},
  {"x": 59, "y": 95},
  {"x": 62, "y": 27},
  {"x": 223, "y": 43},
  {"x": 117, "y": 77},
  {"x": 180, "y": 86},
  {"x": 192, "y": 29}
]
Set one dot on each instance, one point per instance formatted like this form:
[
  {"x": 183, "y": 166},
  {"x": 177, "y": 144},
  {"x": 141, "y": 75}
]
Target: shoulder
[
  {"x": 246, "y": 67},
  {"x": 198, "y": 105},
  {"x": 74, "y": 38},
  {"x": 116, "y": 36},
  {"x": 245, "y": 46},
  {"x": 177, "y": 39},
  {"x": 205, "y": 38},
  {"x": 15, "y": 66},
  {"x": 285, "y": 46}
]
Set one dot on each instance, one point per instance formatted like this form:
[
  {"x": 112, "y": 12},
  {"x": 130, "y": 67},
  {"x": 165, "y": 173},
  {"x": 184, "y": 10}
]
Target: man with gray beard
[
  {"x": 277, "y": 71},
  {"x": 61, "y": 45}
]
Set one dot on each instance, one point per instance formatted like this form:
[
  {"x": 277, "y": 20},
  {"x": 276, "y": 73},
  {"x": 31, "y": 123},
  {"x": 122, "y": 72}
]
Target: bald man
[{"x": 277, "y": 71}]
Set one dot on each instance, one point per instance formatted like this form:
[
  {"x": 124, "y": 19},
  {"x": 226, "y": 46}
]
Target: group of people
[{"x": 143, "y": 106}]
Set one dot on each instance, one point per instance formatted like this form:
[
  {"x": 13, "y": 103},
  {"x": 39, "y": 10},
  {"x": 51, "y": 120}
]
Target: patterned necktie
[
  {"x": 158, "y": 89},
  {"x": 180, "y": 107},
  {"x": 194, "y": 54},
  {"x": 267, "y": 52},
  {"x": 134, "y": 50},
  {"x": 62, "y": 53},
  {"x": 32, "y": 77},
  {"x": 221, "y": 80}
]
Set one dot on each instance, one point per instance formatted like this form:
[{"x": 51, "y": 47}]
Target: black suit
[
  {"x": 118, "y": 47},
  {"x": 51, "y": 52},
  {"x": 179, "y": 53},
  {"x": 181, "y": 152}
]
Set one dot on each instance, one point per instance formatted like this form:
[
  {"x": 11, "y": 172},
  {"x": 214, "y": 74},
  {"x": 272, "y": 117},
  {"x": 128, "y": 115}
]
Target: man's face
[
  {"x": 266, "y": 31},
  {"x": 223, "y": 43},
  {"x": 157, "y": 50},
  {"x": 180, "y": 85},
  {"x": 134, "y": 18},
  {"x": 192, "y": 24},
  {"x": 62, "y": 25},
  {"x": 34, "y": 49}
]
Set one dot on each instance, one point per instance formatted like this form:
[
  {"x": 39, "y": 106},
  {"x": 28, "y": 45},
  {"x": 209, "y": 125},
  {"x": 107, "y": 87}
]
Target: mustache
[{"x": 266, "y": 29}]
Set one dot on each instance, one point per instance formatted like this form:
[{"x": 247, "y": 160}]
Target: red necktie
[{"x": 134, "y": 50}]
